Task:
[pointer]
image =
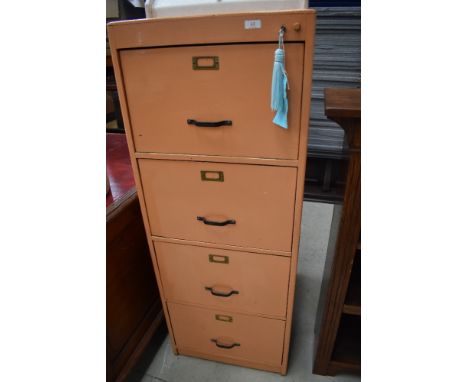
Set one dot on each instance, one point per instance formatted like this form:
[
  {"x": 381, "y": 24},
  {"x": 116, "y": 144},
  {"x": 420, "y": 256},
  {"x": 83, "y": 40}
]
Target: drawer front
[
  {"x": 224, "y": 279},
  {"x": 164, "y": 91},
  {"x": 234, "y": 204},
  {"x": 227, "y": 334}
]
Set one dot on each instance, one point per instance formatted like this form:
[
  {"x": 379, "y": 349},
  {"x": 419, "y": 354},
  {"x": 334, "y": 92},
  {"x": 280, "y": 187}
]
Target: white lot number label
[{"x": 252, "y": 24}]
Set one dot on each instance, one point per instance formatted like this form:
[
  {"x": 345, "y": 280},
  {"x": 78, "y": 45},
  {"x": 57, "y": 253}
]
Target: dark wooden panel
[
  {"x": 337, "y": 346},
  {"x": 133, "y": 307},
  {"x": 325, "y": 176},
  {"x": 131, "y": 285},
  {"x": 347, "y": 349},
  {"x": 353, "y": 295}
]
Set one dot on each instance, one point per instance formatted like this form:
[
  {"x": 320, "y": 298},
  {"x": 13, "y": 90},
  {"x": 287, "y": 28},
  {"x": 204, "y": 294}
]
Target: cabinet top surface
[
  {"x": 212, "y": 29},
  {"x": 114, "y": 24}
]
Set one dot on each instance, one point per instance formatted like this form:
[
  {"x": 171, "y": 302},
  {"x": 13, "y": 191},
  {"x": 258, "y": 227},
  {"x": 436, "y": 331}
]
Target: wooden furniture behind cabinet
[
  {"x": 133, "y": 307},
  {"x": 220, "y": 185},
  {"x": 338, "y": 323}
]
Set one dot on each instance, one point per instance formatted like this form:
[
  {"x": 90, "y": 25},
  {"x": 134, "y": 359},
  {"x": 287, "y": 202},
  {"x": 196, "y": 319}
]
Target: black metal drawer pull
[
  {"x": 223, "y": 346},
  {"x": 219, "y": 224},
  {"x": 221, "y": 294},
  {"x": 226, "y": 122}
]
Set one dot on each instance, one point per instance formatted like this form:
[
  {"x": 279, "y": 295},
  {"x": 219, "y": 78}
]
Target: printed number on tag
[{"x": 252, "y": 24}]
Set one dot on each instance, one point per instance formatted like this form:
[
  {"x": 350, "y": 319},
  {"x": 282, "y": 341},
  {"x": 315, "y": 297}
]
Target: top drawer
[{"x": 166, "y": 87}]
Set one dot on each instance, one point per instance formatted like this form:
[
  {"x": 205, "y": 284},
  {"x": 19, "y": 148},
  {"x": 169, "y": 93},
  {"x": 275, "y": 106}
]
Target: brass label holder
[
  {"x": 218, "y": 259},
  {"x": 199, "y": 63},
  {"x": 212, "y": 176},
  {"x": 223, "y": 317}
]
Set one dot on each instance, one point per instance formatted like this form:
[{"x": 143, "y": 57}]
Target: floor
[{"x": 159, "y": 364}]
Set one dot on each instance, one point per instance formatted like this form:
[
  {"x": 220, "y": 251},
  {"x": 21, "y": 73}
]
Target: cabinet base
[{"x": 237, "y": 362}]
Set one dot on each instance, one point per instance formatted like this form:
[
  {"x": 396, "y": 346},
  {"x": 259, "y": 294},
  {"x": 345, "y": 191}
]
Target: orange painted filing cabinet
[{"x": 220, "y": 185}]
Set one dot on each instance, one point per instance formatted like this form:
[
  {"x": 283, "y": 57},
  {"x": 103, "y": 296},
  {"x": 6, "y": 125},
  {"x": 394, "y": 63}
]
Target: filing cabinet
[{"x": 220, "y": 185}]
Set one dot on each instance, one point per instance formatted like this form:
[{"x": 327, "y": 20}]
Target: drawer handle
[
  {"x": 224, "y": 346},
  {"x": 194, "y": 122},
  {"x": 221, "y": 294},
  {"x": 219, "y": 224}
]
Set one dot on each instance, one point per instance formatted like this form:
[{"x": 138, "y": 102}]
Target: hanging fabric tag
[{"x": 279, "y": 84}]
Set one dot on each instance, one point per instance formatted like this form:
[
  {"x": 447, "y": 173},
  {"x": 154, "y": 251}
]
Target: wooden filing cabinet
[{"x": 220, "y": 185}]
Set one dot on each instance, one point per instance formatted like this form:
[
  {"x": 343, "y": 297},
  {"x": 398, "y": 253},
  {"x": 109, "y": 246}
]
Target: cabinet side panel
[{"x": 309, "y": 30}]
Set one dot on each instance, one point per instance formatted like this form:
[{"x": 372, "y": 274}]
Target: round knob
[{"x": 297, "y": 27}]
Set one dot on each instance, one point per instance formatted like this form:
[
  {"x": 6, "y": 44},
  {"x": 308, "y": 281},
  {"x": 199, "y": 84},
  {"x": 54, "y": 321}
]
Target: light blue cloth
[{"x": 279, "y": 86}]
